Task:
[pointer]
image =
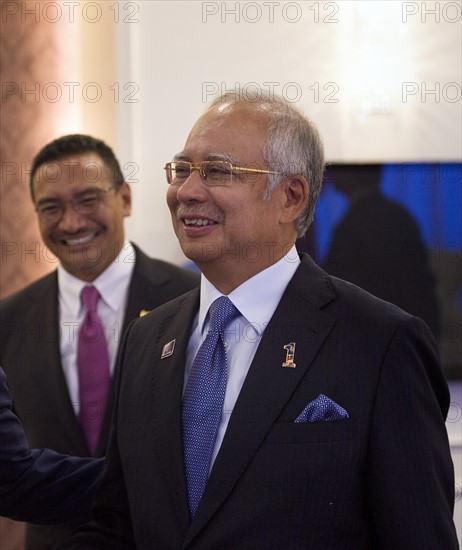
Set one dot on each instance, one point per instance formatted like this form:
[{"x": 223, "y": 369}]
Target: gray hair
[{"x": 293, "y": 146}]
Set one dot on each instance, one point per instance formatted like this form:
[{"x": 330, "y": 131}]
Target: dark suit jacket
[
  {"x": 30, "y": 355},
  {"x": 382, "y": 479},
  {"x": 40, "y": 485}
]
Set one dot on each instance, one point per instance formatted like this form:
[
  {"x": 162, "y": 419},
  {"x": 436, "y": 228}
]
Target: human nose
[
  {"x": 193, "y": 187},
  {"x": 71, "y": 220}
]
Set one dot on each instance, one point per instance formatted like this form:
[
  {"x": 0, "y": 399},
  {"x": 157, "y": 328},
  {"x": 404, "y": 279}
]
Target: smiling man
[
  {"x": 81, "y": 208},
  {"x": 232, "y": 232},
  {"x": 57, "y": 348},
  {"x": 276, "y": 407}
]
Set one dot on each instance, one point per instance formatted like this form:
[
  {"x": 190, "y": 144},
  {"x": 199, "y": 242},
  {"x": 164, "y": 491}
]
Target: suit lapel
[
  {"x": 167, "y": 398},
  {"x": 268, "y": 386},
  {"x": 137, "y": 299},
  {"x": 48, "y": 375},
  {"x": 145, "y": 287},
  {"x": 141, "y": 293}
]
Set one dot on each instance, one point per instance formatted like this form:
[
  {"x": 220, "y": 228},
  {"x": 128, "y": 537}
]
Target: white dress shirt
[
  {"x": 256, "y": 300},
  {"x": 112, "y": 286}
]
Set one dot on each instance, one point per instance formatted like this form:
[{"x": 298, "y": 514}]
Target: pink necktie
[{"x": 93, "y": 369}]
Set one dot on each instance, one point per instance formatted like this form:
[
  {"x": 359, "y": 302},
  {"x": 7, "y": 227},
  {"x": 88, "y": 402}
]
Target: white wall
[{"x": 364, "y": 71}]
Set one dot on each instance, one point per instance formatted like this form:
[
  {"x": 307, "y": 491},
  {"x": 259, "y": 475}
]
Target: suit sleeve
[
  {"x": 40, "y": 486},
  {"x": 410, "y": 475},
  {"x": 110, "y": 524}
]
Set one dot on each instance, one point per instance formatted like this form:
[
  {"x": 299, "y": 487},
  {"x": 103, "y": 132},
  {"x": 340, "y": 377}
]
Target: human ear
[
  {"x": 296, "y": 192},
  {"x": 126, "y": 197}
]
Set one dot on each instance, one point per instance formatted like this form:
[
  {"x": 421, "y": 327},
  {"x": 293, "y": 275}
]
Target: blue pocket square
[{"x": 322, "y": 409}]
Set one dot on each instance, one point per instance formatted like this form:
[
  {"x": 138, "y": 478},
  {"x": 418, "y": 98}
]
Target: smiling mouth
[
  {"x": 80, "y": 240},
  {"x": 198, "y": 222}
]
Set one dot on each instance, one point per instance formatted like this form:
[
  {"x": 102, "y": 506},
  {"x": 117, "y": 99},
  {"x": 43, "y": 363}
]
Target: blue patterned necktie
[{"x": 203, "y": 400}]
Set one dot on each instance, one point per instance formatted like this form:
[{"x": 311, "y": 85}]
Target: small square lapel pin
[{"x": 167, "y": 350}]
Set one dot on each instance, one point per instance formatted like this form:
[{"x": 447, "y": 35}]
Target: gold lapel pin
[
  {"x": 167, "y": 350},
  {"x": 144, "y": 312},
  {"x": 290, "y": 355}
]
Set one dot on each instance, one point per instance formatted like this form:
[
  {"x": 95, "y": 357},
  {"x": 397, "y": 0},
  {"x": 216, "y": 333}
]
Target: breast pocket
[{"x": 311, "y": 432}]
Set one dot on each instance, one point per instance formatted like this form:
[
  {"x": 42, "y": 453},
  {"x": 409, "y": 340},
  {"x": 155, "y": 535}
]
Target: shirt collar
[
  {"x": 116, "y": 276},
  {"x": 258, "y": 297}
]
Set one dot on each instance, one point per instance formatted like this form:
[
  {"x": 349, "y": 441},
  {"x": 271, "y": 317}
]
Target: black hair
[{"x": 76, "y": 144}]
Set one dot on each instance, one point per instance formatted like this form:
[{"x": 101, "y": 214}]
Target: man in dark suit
[
  {"x": 40, "y": 485},
  {"x": 81, "y": 200},
  {"x": 331, "y": 403},
  {"x": 377, "y": 245}
]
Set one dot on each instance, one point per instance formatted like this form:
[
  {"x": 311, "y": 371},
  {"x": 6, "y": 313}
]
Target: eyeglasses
[
  {"x": 85, "y": 203},
  {"x": 212, "y": 172}
]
